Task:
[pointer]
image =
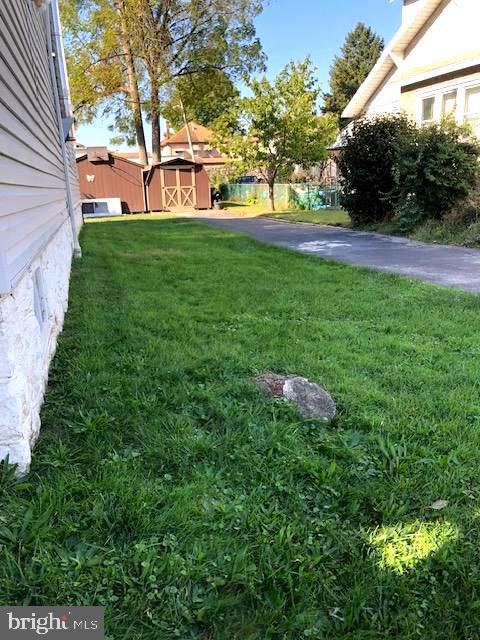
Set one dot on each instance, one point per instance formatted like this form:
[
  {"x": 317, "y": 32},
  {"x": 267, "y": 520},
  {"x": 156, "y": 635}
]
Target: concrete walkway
[{"x": 444, "y": 265}]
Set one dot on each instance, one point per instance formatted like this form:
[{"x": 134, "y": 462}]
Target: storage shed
[
  {"x": 106, "y": 175},
  {"x": 177, "y": 184}
]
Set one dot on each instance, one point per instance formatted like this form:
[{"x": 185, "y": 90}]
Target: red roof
[{"x": 198, "y": 133}]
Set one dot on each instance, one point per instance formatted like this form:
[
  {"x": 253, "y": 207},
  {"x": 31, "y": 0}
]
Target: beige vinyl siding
[{"x": 33, "y": 198}]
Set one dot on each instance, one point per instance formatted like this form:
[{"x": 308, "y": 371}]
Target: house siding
[
  {"x": 37, "y": 226},
  {"x": 447, "y": 44}
]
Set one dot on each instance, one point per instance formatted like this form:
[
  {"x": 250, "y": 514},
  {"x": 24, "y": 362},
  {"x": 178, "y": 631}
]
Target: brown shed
[
  {"x": 177, "y": 184},
  {"x": 106, "y": 175}
]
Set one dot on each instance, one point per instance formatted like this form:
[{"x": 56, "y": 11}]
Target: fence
[{"x": 312, "y": 197}]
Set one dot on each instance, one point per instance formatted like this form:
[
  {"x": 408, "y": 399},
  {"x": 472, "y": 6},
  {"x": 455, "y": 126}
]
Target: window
[
  {"x": 449, "y": 103},
  {"x": 472, "y": 107},
  {"x": 428, "y": 105}
]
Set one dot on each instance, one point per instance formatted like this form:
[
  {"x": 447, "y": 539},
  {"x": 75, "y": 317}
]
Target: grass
[
  {"x": 168, "y": 489},
  {"x": 326, "y": 216},
  {"x": 433, "y": 231}
]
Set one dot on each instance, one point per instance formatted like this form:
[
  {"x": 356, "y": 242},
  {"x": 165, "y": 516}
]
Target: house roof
[
  {"x": 198, "y": 133},
  {"x": 390, "y": 56}
]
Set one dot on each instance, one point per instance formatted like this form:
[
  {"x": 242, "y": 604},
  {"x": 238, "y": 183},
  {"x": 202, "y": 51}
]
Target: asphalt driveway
[{"x": 444, "y": 265}]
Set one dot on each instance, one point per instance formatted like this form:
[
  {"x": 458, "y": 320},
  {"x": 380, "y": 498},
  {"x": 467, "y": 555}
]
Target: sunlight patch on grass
[{"x": 404, "y": 545}]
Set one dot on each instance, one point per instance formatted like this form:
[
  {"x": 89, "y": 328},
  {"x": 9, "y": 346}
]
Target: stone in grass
[
  {"x": 271, "y": 383},
  {"x": 312, "y": 401}
]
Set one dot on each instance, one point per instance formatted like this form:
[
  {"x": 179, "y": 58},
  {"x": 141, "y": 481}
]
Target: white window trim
[{"x": 461, "y": 89}]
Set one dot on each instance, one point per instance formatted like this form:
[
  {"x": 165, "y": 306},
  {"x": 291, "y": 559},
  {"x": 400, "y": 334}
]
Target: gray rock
[{"x": 311, "y": 399}]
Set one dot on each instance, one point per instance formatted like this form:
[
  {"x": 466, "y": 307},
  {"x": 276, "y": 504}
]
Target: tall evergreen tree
[{"x": 359, "y": 53}]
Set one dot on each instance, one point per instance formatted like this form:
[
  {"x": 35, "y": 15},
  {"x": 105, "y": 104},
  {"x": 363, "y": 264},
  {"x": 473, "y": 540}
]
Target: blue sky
[{"x": 292, "y": 29}]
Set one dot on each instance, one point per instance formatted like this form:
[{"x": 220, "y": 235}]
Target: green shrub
[
  {"x": 468, "y": 210},
  {"x": 368, "y": 164},
  {"x": 437, "y": 168},
  {"x": 392, "y": 168}
]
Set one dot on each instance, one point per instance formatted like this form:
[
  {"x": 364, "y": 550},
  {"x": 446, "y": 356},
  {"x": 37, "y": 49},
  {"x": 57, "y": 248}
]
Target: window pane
[
  {"x": 472, "y": 107},
  {"x": 427, "y": 109},
  {"x": 449, "y": 105}
]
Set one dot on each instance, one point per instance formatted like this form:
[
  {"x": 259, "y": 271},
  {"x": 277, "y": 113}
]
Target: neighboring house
[
  {"x": 431, "y": 67},
  {"x": 178, "y": 145},
  {"x": 40, "y": 214}
]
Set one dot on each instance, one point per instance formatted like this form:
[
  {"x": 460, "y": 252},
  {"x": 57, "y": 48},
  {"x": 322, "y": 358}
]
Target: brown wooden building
[
  {"x": 177, "y": 184},
  {"x": 106, "y": 175}
]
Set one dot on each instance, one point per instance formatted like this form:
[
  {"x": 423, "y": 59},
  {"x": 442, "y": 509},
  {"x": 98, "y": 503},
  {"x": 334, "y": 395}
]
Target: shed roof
[
  {"x": 387, "y": 61},
  {"x": 106, "y": 158}
]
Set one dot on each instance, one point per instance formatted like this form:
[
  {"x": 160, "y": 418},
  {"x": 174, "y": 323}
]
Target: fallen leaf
[{"x": 439, "y": 505}]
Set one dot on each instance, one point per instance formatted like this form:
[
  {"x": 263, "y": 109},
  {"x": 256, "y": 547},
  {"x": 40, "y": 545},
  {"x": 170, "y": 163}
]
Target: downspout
[{"x": 57, "y": 50}]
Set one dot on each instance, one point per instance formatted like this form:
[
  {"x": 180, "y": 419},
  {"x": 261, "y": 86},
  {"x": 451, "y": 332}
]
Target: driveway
[{"x": 444, "y": 265}]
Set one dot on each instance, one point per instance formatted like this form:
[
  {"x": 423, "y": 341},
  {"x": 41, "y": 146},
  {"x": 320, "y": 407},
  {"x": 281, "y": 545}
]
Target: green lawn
[
  {"x": 326, "y": 216},
  {"x": 167, "y": 488}
]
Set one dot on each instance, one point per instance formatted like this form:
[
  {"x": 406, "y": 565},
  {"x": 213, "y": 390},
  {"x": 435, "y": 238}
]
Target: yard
[
  {"x": 167, "y": 488},
  {"x": 325, "y": 216}
]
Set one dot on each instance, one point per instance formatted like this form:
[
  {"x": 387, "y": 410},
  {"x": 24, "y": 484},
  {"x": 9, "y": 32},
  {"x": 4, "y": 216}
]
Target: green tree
[
  {"x": 281, "y": 125},
  {"x": 179, "y": 38},
  {"x": 359, "y": 53},
  {"x": 205, "y": 97},
  {"x": 103, "y": 76}
]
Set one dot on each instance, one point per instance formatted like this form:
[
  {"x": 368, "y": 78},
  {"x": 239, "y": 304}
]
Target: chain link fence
[{"x": 306, "y": 196}]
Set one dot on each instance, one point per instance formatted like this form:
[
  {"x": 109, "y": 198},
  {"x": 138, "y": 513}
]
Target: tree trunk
[
  {"x": 134, "y": 93},
  {"x": 155, "y": 119},
  {"x": 271, "y": 195}
]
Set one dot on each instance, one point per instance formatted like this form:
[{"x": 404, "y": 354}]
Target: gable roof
[
  {"x": 198, "y": 133},
  {"x": 391, "y": 54}
]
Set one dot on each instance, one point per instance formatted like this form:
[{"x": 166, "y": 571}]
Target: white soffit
[{"x": 390, "y": 58}]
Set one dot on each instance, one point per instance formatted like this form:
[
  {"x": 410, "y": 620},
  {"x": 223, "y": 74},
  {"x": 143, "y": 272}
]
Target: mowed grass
[
  {"x": 168, "y": 489},
  {"x": 325, "y": 216}
]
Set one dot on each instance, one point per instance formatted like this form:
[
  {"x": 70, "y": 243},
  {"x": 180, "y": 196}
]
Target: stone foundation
[{"x": 31, "y": 317}]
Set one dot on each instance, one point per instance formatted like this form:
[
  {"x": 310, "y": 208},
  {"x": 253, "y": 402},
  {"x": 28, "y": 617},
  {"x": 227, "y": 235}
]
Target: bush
[
  {"x": 437, "y": 168},
  {"x": 393, "y": 168},
  {"x": 468, "y": 210},
  {"x": 368, "y": 164}
]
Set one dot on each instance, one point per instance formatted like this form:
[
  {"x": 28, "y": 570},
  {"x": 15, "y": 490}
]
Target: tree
[
  {"x": 100, "y": 60},
  {"x": 359, "y": 53},
  {"x": 180, "y": 38},
  {"x": 205, "y": 97},
  {"x": 282, "y": 126}
]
